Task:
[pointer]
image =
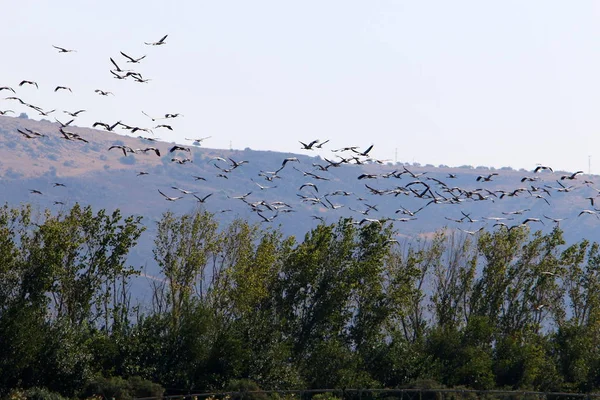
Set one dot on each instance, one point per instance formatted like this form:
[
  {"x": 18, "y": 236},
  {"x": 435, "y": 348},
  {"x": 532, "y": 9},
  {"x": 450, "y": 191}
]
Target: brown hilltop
[{"x": 33, "y": 157}]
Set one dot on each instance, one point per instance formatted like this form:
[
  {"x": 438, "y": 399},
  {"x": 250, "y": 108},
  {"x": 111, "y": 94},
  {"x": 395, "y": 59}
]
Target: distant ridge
[{"x": 109, "y": 179}]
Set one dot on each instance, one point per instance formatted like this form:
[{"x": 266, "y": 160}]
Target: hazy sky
[{"x": 511, "y": 83}]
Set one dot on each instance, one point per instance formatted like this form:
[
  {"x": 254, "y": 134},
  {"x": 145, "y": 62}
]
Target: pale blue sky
[{"x": 510, "y": 83}]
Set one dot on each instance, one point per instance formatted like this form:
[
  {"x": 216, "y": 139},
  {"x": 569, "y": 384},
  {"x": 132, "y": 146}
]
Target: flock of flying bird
[{"x": 424, "y": 189}]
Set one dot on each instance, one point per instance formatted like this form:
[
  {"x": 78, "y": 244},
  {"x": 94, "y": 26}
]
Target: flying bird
[
  {"x": 184, "y": 191},
  {"x": 131, "y": 59},
  {"x": 532, "y": 220},
  {"x": 63, "y": 50},
  {"x": 45, "y": 113},
  {"x": 106, "y": 126},
  {"x": 117, "y": 68},
  {"x": 15, "y": 98},
  {"x": 320, "y": 145},
  {"x": 199, "y": 140},
  {"x": 159, "y": 43},
  {"x": 117, "y": 76},
  {"x": 289, "y": 159},
  {"x": 63, "y": 88},
  {"x": 591, "y": 212},
  {"x": 310, "y": 145},
  {"x": 486, "y": 178},
  {"x": 555, "y": 220},
  {"x": 175, "y": 148},
  {"x": 542, "y": 168},
  {"x": 311, "y": 185},
  {"x": 125, "y": 149},
  {"x": 235, "y": 164},
  {"x": 202, "y": 199},
  {"x": 29, "y": 83},
  {"x": 74, "y": 114},
  {"x": 147, "y": 149},
  {"x": 471, "y": 232},
  {"x": 27, "y": 135},
  {"x": 572, "y": 176},
  {"x": 261, "y": 186},
  {"x": 170, "y": 198},
  {"x": 71, "y": 136},
  {"x": 364, "y": 153}
]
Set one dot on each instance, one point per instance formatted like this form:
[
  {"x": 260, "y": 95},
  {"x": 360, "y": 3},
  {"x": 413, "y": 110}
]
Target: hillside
[{"x": 109, "y": 179}]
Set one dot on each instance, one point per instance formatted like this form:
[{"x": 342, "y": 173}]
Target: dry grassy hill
[{"x": 108, "y": 179}]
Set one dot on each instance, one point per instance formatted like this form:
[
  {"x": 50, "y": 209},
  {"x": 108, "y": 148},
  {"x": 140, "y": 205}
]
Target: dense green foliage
[{"x": 244, "y": 307}]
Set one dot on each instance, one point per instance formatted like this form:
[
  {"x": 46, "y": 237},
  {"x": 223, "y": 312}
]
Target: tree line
[{"x": 346, "y": 306}]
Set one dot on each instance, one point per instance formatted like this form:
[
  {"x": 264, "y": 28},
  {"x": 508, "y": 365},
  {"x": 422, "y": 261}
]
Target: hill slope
[{"x": 109, "y": 179}]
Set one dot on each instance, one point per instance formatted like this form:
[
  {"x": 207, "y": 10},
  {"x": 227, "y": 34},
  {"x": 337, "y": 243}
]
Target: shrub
[
  {"x": 36, "y": 393},
  {"x": 245, "y": 385},
  {"x": 325, "y": 396},
  {"x": 127, "y": 160},
  {"x": 144, "y": 388},
  {"x": 121, "y": 389},
  {"x": 108, "y": 388}
]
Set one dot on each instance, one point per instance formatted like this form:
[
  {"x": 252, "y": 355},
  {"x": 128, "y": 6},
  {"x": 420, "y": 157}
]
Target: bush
[
  {"x": 325, "y": 396},
  {"x": 121, "y": 389},
  {"x": 127, "y": 160},
  {"x": 245, "y": 385},
  {"x": 36, "y": 393},
  {"x": 108, "y": 388},
  {"x": 144, "y": 388}
]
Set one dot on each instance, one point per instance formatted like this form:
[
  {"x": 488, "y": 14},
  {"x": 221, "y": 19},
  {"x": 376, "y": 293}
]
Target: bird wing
[
  {"x": 367, "y": 150},
  {"x": 115, "y": 64},
  {"x": 125, "y": 55}
]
